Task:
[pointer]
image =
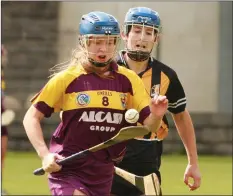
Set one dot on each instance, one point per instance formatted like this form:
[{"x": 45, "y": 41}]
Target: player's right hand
[{"x": 49, "y": 162}]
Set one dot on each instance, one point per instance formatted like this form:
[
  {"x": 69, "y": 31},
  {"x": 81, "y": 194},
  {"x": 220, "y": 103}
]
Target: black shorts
[{"x": 121, "y": 187}]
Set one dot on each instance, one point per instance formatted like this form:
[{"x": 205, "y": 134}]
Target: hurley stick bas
[
  {"x": 148, "y": 185},
  {"x": 124, "y": 134}
]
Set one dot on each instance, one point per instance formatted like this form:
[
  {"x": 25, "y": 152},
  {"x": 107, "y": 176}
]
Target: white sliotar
[{"x": 131, "y": 116}]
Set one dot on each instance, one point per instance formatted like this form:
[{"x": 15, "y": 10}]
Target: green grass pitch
[{"x": 216, "y": 175}]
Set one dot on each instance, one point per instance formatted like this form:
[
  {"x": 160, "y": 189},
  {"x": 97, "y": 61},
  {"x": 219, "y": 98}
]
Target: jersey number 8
[{"x": 105, "y": 101}]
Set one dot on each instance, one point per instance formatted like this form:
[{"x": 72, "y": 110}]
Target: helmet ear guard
[
  {"x": 83, "y": 41},
  {"x": 80, "y": 41}
]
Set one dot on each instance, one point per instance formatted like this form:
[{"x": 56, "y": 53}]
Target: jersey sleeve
[
  {"x": 49, "y": 99},
  {"x": 176, "y": 96},
  {"x": 140, "y": 99}
]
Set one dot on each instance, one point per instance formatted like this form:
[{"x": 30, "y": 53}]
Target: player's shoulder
[
  {"x": 166, "y": 69},
  {"x": 70, "y": 72},
  {"x": 127, "y": 72},
  {"x": 66, "y": 76}
]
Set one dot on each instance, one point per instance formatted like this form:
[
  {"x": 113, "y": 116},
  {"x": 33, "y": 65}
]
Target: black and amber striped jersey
[{"x": 161, "y": 79}]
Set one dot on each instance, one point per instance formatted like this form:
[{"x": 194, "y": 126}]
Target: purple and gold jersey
[{"x": 93, "y": 108}]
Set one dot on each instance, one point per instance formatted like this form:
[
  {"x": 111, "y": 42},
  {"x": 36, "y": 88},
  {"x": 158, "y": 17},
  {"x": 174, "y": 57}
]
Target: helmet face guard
[
  {"x": 140, "y": 42},
  {"x": 144, "y": 25},
  {"x": 99, "y": 37},
  {"x": 100, "y": 49}
]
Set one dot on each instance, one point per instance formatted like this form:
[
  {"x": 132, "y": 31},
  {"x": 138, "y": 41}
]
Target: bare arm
[
  {"x": 153, "y": 123},
  {"x": 185, "y": 129},
  {"x": 34, "y": 132}
]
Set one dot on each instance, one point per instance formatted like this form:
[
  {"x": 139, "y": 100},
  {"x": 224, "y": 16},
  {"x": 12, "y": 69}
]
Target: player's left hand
[
  {"x": 159, "y": 105},
  {"x": 192, "y": 171}
]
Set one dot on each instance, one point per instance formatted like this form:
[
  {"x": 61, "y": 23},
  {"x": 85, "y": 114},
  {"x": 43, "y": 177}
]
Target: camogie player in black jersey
[{"x": 143, "y": 155}]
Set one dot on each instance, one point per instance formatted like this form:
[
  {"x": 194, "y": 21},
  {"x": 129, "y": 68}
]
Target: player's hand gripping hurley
[{"x": 123, "y": 135}]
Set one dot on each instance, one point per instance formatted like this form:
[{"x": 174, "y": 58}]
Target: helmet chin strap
[
  {"x": 97, "y": 64},
  {"x": 137, "y": 55}
]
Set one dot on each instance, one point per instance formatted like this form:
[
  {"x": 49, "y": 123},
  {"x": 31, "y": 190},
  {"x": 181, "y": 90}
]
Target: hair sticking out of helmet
[
  {"x": 99, "y": 37},
  {"x": 144, "y": 23}
]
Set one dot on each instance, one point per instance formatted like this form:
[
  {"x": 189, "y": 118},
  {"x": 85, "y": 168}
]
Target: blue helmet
[
  {"x": 99, "y": 23},
  {"x": 142, "y": 15}
]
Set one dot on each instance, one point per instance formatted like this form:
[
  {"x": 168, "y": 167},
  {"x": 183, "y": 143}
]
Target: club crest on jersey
[
  {"x": 155, "y": 90},
  {"x": 83, "y": 99},
  {"x": 123, "y": 98}
]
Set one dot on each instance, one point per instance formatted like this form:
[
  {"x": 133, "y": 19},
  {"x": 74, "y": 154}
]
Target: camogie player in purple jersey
[{"x": 93, "y": 93}]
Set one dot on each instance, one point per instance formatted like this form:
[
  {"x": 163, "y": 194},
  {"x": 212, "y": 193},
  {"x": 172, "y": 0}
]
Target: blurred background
[{"x": 196, "y": 42}]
